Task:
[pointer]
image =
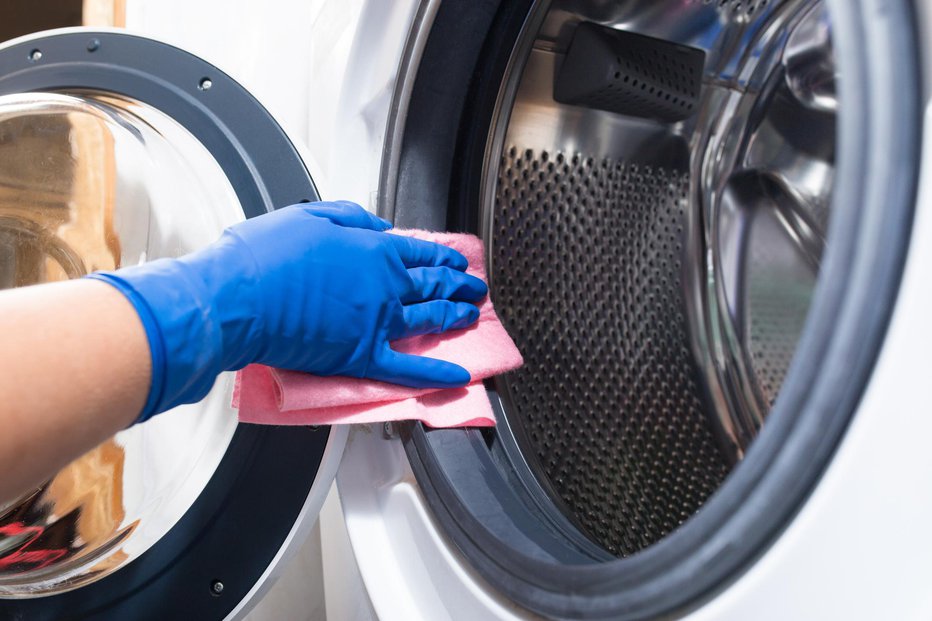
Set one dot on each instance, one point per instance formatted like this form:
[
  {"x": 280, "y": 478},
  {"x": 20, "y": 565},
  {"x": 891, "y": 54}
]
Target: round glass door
[{"x": 92, "y": 181}]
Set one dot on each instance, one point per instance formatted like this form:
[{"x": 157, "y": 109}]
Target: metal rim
[{"x": 176, "y": 576}]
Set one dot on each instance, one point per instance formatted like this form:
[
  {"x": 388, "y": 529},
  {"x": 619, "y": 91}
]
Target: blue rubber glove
[{"x": 316, "y": 287}]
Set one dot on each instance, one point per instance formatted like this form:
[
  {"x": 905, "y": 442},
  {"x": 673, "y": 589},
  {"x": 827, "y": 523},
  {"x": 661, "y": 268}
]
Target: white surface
[
  {"x": 298, "y": 594},
  {"x": 345, "y": 592},
  {"x": 262, "y": 45},
  {"x": 324, "y": 68},
  {"x": 406, "y": 566},
  {"x": 353, "y": 59}
]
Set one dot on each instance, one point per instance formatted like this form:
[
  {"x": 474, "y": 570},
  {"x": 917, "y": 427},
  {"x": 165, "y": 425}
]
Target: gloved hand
[{"x": 316, "y": 287}]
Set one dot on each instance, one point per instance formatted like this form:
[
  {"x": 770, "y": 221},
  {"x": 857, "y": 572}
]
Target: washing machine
[{"x": 706, "y": 230}]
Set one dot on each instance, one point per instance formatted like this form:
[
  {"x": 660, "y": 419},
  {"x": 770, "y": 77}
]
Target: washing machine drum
[
  {"x": 677, "y": 199},
  {"x": 116, "y": 150}
]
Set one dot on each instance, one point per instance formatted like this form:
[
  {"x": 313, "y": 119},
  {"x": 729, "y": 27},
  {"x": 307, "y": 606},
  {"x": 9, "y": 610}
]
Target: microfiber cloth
[{"x": 278, "y": 397}]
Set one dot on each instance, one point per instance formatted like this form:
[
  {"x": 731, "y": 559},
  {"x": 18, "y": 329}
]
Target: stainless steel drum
[{"x": 656, "y": 272}]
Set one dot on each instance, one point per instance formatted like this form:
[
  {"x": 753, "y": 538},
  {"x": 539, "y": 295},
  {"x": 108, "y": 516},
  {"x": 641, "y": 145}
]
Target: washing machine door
[{"x": 115, "y": 150}]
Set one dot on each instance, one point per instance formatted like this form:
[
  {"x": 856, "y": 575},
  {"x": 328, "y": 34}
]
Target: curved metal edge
[
  {"x": 280, "y": 188},
  {"x": 523, "y": 464},
  {"x": 330, "y": 464},
  {"x": 398, "y": 109}
]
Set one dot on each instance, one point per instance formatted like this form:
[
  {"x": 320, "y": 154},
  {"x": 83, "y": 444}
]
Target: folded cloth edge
[{"x": 455, "y": 407}]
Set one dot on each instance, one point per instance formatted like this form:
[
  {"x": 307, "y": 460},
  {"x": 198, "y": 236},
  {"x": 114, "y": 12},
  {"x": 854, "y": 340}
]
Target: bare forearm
[{"x": 75, "y": 370}]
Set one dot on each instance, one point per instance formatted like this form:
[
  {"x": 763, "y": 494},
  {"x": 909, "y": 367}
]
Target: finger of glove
[
  {"x": 420, "y": 253},
  {"x": 435, "y": 317},
  {"x": 348, "y": 214},
  {"x": 417, "y": 371},
  {"x": 443, "y": 283}
]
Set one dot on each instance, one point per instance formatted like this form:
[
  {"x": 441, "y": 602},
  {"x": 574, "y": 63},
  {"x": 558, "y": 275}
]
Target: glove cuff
[
  {"x": 185, "y": 341},
  {"x": 153, "y": 335}
]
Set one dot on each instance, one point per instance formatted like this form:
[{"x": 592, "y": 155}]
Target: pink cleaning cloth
[{"x": 277, "y": 397}]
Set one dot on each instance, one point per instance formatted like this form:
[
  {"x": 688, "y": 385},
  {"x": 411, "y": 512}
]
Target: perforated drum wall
[{"x": 586, "y": 274}]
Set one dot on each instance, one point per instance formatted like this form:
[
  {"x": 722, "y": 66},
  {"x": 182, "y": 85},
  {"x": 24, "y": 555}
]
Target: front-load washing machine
[{"x": 706, "y": 231}]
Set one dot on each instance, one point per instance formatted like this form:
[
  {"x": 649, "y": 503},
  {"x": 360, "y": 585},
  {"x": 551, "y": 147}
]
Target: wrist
[
  {"x": 185, "y": 341},
  {"x": 153, "y": 337}
]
